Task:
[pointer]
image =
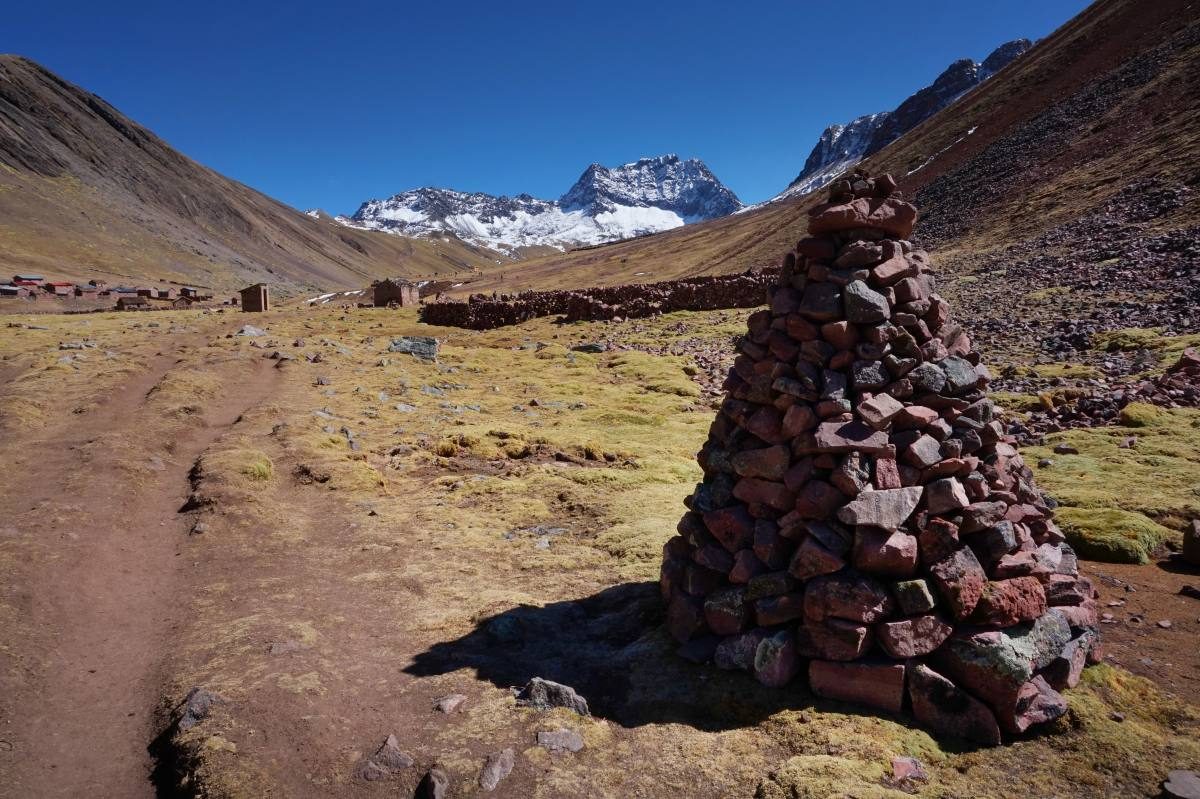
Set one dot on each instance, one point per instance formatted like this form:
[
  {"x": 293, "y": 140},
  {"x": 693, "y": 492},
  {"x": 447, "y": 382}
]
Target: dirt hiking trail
[{"x": 104, "y": 598}]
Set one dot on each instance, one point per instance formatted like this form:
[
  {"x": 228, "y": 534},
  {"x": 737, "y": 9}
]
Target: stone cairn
[{"x": 863, "y": 519}]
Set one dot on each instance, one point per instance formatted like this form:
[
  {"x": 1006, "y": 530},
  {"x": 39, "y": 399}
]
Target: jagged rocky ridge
[
  {"x": 863, "y": 519},
  {"x": 842, "y": 146},
  {"x": 645, "y": 196}
]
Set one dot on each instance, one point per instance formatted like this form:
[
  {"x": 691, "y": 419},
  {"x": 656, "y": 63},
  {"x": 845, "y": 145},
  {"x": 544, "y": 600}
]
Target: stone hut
[
  {"x": 395, "y": 292},
  {"x": 255, "y": 299}
]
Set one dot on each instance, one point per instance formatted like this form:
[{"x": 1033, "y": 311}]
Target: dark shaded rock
[{"x": 544, "y": 694}]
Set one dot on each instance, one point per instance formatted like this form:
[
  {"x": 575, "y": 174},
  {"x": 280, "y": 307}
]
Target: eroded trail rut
[{"x": 105, "y": 588}]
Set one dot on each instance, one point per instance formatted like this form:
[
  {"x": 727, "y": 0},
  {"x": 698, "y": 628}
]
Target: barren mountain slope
[
  {"x": 1108, "y": 100},
  {"x": 87, "y": 192}
]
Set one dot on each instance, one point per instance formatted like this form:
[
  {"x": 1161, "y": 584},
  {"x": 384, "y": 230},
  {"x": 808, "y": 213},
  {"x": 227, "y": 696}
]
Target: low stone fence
[{"x": 637, "y": 300}]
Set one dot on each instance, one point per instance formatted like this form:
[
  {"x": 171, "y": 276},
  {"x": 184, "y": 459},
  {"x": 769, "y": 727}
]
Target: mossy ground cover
[
  {"x": 1167, "y": 349},
  {"x": 377, "y": 508},
  {"x": 1129, "y": 489}
]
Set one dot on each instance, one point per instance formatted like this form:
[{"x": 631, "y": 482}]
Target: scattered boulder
[
  {"x": 196, "y": 707},
  {"x": 450, "y": 703},
  {"x": 423, "y": 347},
  {"x": 560, "y": 740},
  {"x": 387, "y": 761},
  {"x": 543, "y": 695},
  {"x": 498, "y": 766},
  {"x": 1182, "y": 784},
  {"x": 434, "y": 785}
]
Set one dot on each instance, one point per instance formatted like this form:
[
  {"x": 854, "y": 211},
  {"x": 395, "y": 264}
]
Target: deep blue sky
[{"x": 328, "y": 104}]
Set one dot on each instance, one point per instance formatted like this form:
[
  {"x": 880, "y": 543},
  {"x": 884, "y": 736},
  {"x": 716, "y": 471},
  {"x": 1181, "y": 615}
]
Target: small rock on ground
[
  {"x": 434, "y": 785},
  {"x": 544, "y": 694},
  {"x": 561, "y": 740},
  {"x": 196, "y": 707},
  {"x": 1182, "y": 784},
  {"x": 450, "y": 703},
  {"x": 498, "y": 766}
]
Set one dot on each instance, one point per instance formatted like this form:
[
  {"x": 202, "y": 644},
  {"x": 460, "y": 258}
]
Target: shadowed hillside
[{"x": 85, "y": 192}]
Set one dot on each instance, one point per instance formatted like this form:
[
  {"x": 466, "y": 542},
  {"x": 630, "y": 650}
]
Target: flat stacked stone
[{"x": 863, "y": 519}]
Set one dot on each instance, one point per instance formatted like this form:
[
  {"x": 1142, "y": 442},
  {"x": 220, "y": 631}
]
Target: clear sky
[{"x": 332, "y": 103}]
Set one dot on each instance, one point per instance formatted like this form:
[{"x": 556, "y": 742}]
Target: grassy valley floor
[{"x": 332, "y": 536}]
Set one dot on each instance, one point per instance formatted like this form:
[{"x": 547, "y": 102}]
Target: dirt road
[{"x": 101, "y": 586}]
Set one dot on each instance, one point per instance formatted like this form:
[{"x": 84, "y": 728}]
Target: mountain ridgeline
[
  {"x": 842, "y": 146},
  {"x": 605, "y": 204}
]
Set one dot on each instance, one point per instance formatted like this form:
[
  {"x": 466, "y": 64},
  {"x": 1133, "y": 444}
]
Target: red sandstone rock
[
  {"x": 818, "y": 500},
  {"x": 685, "y": 617},
  {"x": 773, "y": 495},
  {"x": 913, "y": 637},
  {"x": 798, "y": 419},
  {"x": 887, "y": 509},
  {"x": 813, "y": 559},
  {"x": 959, "y": 579},
  {"x": 945, "y": 708},
  {"x": 845, "y": 595},
  {"x": 833, "y": 639},
  {"x": 850, "y": 437},
  {"x": 769, "y": 463},
  {"x": 726, "y": 611},
  {"x": 887, "y": 474},
  {"x": 776, "y": 661},
  {"x": 746, "y": 566},
  {"x": 875, "y": 684},
  {"x": 733, "y": 527},
  {"x": 773, "y": 610},
  {"x": 885, "y": 553},
  {"x": 737, "y": 651},
  {"x": 1004, "y": 603}
]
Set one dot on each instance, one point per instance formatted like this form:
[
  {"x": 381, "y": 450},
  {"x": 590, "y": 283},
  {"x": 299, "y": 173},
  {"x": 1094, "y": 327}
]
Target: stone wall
[{"x": 481, "y": 312}]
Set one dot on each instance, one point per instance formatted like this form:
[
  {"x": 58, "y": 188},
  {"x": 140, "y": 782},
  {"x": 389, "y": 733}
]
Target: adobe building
[
  {"x": 395, "y": 292},
  {"x": 255, "y": 298},
  {"x": 134, "y": 303}
]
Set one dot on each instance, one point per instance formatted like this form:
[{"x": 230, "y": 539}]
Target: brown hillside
[
  {"x": 86, "y": 192},
  {"x": 1108, "y": 100}
]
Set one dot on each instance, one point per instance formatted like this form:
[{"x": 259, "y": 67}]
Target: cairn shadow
[
  {"x": 1175, "y": 564},
  {"x": 611, "y": 648}
]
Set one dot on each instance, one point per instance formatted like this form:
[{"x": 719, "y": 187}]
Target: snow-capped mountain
[
  {"x": 646, "y": 196},
  {"x": 842, "y": 146}
]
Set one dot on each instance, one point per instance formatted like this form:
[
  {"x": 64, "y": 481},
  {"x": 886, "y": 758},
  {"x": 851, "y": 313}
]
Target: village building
[
  {"x": 394, "y": 292},
  {"x": 255, "y": 298},
  {"x": 60, "y": 288},
  {"x": 165, "y": 294},
  {"x": 28, "y": 280},
  {"x": 88, "y": 292},
  {"x": 181, "y": 303},
  {"x": 189, "y": 291},
  {"x": 133, "y": 303},
  {"x": 13, "y": 291}
]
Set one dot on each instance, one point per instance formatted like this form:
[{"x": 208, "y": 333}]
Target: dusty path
[{"x": 103, "y": 594}]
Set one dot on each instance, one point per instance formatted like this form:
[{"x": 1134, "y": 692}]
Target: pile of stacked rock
[{"x": 863, "y": 520}]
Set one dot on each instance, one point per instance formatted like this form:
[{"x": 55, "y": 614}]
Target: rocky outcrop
[
  {"x": 840, "y": 147},
  {"x": 863, "y": 520}
]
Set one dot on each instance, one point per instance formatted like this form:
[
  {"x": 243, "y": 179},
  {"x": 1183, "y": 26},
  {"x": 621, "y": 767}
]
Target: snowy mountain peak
[
  {"x": 686, "y": 188},
  {"x": 842, "y": 146},
  {"x": 645, "y": 196}
]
